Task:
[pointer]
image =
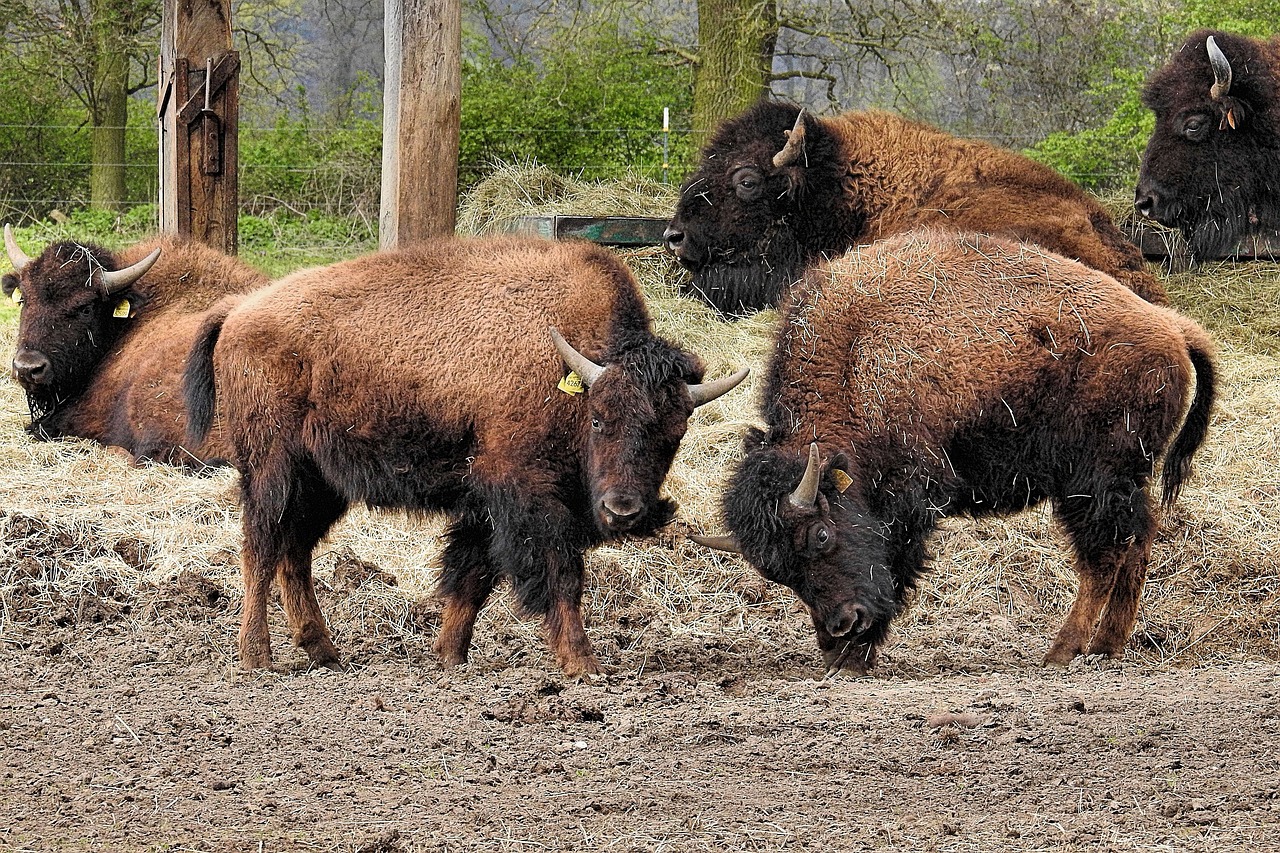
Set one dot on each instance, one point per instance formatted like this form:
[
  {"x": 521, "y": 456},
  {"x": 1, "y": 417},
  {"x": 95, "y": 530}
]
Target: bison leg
[
  {"x": 539, "y": 545},
  {"x": 466, "y": 581},
  {"x": 255, "y": 637},
  {"x": 1111, "y": 534},
  {"x": 1122, "y": 607},
  {"x": 284, "y": 517}
]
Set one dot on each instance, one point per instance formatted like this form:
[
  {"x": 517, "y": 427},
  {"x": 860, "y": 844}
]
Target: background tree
[{"x": 734, "y": 61}]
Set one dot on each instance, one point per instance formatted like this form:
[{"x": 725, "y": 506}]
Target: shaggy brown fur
[
  {"x": 949, "y": 374},
  {"x": 118, "y": 380},
  {"x": 747, "y": 228},
  {"x": 426, "y": 379}
]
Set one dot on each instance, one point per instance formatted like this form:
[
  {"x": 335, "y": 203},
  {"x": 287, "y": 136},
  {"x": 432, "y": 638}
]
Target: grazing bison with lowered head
[
  {"x": 433, "y": 379},
  {"x": 1212, "y": 165},
  {"x": 103, "y": 337},
  {"x": 778, "y": 190},
  {"x": 936, "y": 374}
]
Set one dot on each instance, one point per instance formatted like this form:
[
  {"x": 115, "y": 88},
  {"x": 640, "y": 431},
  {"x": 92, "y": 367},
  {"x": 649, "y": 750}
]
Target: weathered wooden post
[
  {"x": 421, "y": 111},
  {"x": 199, "y": 114}
]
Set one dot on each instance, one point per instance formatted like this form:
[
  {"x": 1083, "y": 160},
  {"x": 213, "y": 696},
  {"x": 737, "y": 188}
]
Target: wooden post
[
  {"x": 199, "y": 111},
  {"x": 421, "y": 112}
]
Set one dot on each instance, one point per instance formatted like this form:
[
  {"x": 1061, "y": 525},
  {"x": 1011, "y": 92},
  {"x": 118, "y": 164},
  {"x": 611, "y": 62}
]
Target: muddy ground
[{"x": 137, "y": 732}]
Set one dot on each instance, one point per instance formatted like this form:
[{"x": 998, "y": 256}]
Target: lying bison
[
  {"x": 427, "y": 380},
  {"x": 1212, "y": 165},
  {"x": 778, "y": 190},
  {"x": 935, "y": 374},
  {"x": 102, "y": 338}
]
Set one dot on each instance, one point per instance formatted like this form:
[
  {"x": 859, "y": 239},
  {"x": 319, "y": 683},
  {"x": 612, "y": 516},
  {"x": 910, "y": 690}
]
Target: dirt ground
[
  {"x": 126, "y": 725},
  {"x": 141, "y": 734}
]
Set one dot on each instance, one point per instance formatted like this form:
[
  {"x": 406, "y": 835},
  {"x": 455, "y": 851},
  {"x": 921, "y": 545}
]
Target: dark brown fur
[
  {"x": 1212, "y": 167},
  {"x": 118, "y": 380},
  {"x": 426, "y": 380},
  {"x": 952, "y": 374},
  {"x": 864, "y": 176}
]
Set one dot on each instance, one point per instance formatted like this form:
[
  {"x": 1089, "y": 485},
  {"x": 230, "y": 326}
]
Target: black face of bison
[
  {"x": 69, "y": 319},
  {"x": 737, "y": 225},
  {"x": 791, "y": 522},
  {"x": 639, "y": 403},
  {"x": 1209, "y": 168}
]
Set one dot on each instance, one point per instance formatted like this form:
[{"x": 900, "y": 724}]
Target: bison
[
  {"x": 935, "y": 374},
  {"x": 433, "y": 379},
  {"x": 777, "y": 190},
  {"x": 103, "y": 336},
  {"x": 1212, "y": 166}
]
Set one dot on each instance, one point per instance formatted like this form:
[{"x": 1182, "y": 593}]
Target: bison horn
[
  {"x": 17, "y": 257},
  {"x": 806, "y": 494},
  {"x": 705, "y": 392},
  {"x": 1221, "y": 70},
  {"x": 718, "y": 543},
  {"x": 794, "y": 147},
  {"x": 114, "y": 281},
  {"x": 587, "y": 369}
]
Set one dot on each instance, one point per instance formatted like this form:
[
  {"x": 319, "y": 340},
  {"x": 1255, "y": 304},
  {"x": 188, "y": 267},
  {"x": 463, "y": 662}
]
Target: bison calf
[
  {"x": 102, "y": 338},
  {"x": 434, "y": 379},
  {"x": 936, "y": 374}
]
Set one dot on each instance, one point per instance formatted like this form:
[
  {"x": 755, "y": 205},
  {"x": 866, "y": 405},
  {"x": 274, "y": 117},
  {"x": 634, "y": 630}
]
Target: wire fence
[{"x": 337, "y": 172}]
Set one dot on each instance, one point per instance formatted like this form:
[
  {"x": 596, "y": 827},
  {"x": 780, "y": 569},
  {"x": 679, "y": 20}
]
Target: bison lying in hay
[
  {"x": 936, "y": 374},
  {"x": 433, "y": 379},
  {"x": 102, "y": 338},
  {"x": 777, "y": 190},
  {"x": 1211, "y": 167}
]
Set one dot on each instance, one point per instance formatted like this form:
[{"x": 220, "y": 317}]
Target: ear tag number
[
  {"x": 122, "y": 309},
  {"x": 572, "y": 384},
  {"x": 17, "y": 296},
  {"x": 842, "y": 480}
]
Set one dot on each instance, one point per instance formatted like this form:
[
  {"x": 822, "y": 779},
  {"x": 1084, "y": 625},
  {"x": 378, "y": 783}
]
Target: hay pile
[{"x": 82, "y": 532}]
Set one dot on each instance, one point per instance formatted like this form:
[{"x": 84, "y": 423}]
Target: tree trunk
[
  {"x": 108, "y": 97},
  {"x": 735, "y": 57}
]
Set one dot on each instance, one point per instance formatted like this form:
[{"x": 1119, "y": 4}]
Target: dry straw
[{"x": 84, "y": 535}]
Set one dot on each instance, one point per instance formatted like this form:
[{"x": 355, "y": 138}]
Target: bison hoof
[
  {"x": 1060, "y": 656},
  {"x": 586, "y": 670}
]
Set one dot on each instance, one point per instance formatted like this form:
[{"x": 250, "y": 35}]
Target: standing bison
[
  {"x": 1212, "y": 165},
  {"x": 778, "y": 190},
  {"x": 102, "y": 338},
  {"x": 937, "y": 374},
  {"x": 434, "y": 379}
]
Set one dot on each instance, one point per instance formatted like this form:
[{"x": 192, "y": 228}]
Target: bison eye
[
  {"x": 748, "y": 184},
  {"x": 596, "y": 426},
  {"x": 820, "y": 538},
  {"x": 1195, "y": 128}
]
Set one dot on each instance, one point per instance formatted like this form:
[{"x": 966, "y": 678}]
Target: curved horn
[
  {"x": 17, "y": 257},
  {"x": 806, "y": 494},
  {"x": 1221, "y": 70},
  {"x": 577, "y": 362},
  {"x": 705, "y": 392},
  {"x": 117, "y": 280},
  {"x": 728, "y": 544},
  {"x": 794, "y": 147}
]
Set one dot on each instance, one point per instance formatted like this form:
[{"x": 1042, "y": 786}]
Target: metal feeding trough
[
  {"x": 1159, "y": 244},
  {"x": 1156, "y": 243},
  {"x": 606, "y": 230}
]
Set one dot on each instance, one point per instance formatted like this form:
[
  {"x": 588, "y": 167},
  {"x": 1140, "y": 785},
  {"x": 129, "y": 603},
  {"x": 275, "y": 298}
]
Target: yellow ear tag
[
  {"x": 122, "y": 309},
  {"x": 572, "y": 384},
  {"x": 842, "y": 480},
  {"x": 17, "y": 296}
]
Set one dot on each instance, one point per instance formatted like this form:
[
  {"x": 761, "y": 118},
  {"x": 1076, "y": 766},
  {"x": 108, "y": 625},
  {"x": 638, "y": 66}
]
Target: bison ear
[{"x": 10, "y": 284}]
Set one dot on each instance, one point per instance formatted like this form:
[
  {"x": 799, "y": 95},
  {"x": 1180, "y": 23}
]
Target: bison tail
[
  {"x": 1177, "y": 464},
  {"x": 198, "y": 388}
]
